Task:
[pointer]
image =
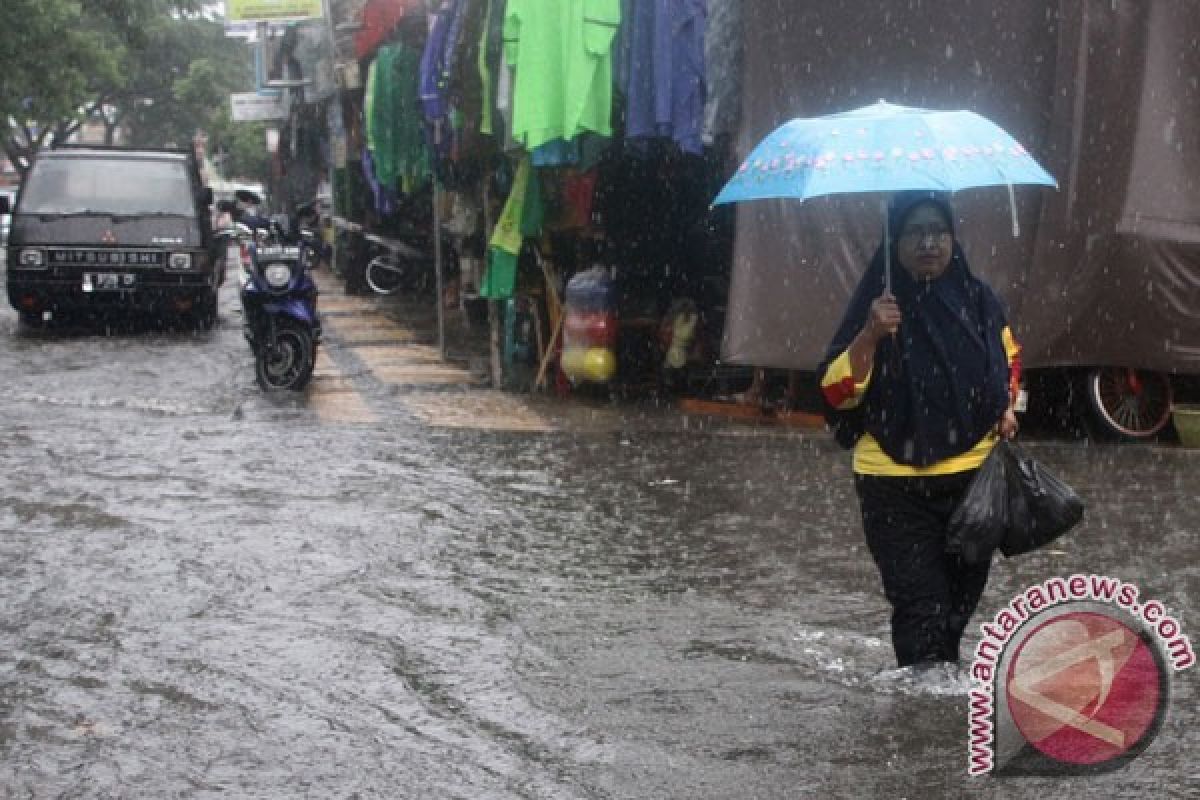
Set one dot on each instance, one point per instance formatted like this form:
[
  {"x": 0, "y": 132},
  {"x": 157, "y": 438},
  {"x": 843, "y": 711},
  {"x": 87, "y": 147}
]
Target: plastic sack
[
  {"x": 1013, "y": 503},
  {"x": 980, "y": 522},
  {"x": 1041, "y": 506}
]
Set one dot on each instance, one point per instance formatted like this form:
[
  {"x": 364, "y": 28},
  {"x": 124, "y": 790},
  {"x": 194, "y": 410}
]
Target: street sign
[
  {"x": 253, "y": 107},
  {"x": 267, "y": 10},
  {"x": 249, "y": 30}
]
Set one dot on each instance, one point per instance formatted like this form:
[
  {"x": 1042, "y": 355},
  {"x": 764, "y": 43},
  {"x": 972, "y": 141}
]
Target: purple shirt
[
  {"x": 664, "y": 70},
  {"x": 434, "y": 80}
]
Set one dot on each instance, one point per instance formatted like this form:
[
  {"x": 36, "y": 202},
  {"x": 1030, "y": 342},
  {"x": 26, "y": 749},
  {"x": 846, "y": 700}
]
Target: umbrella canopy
[{"x": 882, "y": 148}]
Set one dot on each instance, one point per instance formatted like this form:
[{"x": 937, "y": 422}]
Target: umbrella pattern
[{"x": 882, "y": 148}]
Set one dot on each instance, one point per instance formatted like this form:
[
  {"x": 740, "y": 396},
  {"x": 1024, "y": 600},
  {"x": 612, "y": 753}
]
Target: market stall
[{"x": 545, "y": 140}]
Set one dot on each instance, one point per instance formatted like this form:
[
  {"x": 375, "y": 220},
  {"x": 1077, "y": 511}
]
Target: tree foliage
[
  {"x": 155, "y": 68},
  {"x": 182, "y": 79},
  {"x": 53, "y": 53}
]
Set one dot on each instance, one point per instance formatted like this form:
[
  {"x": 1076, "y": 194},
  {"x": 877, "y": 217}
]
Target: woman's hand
[
  {"x": 1007, "y": 427},
  {"x": 884, "y": 319}
]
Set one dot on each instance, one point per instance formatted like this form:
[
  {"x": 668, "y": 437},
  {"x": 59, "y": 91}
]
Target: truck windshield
[{"x": 113, "y": 186}]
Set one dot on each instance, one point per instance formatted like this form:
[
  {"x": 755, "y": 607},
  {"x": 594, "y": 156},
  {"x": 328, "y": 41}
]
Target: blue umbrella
[{"x": 884, "y": 148}]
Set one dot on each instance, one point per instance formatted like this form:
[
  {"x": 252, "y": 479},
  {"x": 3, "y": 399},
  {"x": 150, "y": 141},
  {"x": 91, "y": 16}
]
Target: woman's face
[{"x": 925, "y": 243}]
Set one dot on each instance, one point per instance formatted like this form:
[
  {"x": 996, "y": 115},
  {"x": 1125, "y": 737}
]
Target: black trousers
[{"x": 932, "y": 594}]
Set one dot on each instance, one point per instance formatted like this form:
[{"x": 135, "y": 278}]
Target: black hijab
[{"x": 941, "y": 383}]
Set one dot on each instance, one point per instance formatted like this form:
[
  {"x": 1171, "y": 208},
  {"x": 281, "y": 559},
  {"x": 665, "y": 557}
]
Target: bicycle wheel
[{"x": 386, "y": 274}]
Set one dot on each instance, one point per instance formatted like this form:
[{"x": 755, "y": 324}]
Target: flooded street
[{"x": 209, "y": 592}]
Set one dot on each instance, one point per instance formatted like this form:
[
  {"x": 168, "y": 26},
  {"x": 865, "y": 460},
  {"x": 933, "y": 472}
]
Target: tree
[
  {"x": 243, "y": 149},
  {"x": 182, "y": 81},
  {"x": 67, "y": 60},
  {"x": 182, "y": 85}
]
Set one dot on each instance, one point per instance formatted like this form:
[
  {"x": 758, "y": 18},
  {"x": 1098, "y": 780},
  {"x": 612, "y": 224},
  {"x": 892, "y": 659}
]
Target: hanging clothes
[
  {"x": 466, "y": 85},
  {"x": 369, "y": 105},
  {"x": 664, "y": 73},
  {"x": 584, "y": 151},
  {"x": 395, "y": 133},
  {"x": 504, "y": 108},
  {"x": 490, "y": 56},
  {"x": 723, "y": 53},
  {"x": 579, "y": 190},
  {"x": 385, "y": 199},
  {"x": 562, "y": 52},
  {"x": 434, "y": 81},
  {"x": 434, "y": 78},
  {"x": 522, "y": 217},
  {"x": 379, "y": 18}
]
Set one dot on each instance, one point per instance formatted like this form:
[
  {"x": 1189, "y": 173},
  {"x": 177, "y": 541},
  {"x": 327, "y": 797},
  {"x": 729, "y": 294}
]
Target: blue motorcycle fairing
[{"x": 293, "y": 307}]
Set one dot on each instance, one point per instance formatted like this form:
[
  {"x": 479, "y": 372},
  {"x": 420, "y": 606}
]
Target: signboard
[
  {"x": 267, "y": 10},
  {"x": 249, "y": 30},
  {"x": 253, "y": 107}
]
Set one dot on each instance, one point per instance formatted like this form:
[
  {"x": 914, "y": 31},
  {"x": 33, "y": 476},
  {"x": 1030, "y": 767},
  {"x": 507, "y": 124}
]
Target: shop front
[{"x": 567, "y": 154}]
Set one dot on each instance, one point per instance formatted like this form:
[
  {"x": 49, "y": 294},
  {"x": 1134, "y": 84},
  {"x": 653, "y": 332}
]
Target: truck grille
[{"x": 84, "y": 257}]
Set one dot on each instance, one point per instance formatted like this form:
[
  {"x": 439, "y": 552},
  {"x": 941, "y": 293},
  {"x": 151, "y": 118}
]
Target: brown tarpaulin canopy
[{"x": 1104, "y": 93}]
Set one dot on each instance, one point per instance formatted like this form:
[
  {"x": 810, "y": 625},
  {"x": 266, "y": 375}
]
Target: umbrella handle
[
  {"x": 887, "y": 249},
  {"x": 1012, "y": 207}
]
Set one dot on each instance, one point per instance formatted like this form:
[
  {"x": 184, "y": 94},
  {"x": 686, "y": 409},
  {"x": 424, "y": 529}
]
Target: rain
[{"x": 582, "y": 529}]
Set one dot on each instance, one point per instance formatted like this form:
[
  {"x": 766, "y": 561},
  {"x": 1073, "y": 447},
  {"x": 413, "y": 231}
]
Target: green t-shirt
[
  {"x": 562, "y": 53},
  {"x": 394, "y": 120},
  {"x": 522, "y": 217}
]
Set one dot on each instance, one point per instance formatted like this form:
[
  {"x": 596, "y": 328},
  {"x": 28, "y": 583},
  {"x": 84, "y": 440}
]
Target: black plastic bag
[
  {"x": 1041, "y": 507},
  {"x": 981, "y": 520},
  {"x": 1013, "y": 503}
]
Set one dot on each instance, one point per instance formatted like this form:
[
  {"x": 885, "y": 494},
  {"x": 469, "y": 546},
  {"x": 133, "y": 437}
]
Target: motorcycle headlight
[
  {"x": 278, "y": 275},
  {"x": 31, "y": 258},
  {"x": 179, "y": 261}
]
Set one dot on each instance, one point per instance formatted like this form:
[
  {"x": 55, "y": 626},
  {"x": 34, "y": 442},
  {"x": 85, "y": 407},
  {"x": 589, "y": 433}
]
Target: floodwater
[{"x": 205, "y": 592}]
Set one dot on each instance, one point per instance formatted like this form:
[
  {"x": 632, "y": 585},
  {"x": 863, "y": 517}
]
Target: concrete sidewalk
[{"x": 393, "y": 340}]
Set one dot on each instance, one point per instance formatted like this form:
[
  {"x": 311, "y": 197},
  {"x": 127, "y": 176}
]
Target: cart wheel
[{"x": 1127, "y": 403}]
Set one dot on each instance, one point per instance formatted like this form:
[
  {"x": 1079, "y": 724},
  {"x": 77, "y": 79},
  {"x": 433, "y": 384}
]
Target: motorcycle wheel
[
  {"x": 1128, "y": 404},
  {"x": 386, "y": 275},
  {"x": 289, "y": 364}
]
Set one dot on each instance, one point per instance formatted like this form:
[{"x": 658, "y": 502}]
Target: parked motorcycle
[{"x": 279, "y": 306}]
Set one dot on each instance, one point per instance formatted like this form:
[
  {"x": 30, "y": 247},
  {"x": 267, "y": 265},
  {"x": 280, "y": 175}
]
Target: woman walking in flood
[{"x": 920, "y": 382}]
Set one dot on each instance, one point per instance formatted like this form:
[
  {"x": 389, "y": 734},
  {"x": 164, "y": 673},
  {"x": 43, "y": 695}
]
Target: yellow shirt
[{"x": 845, "y": 393}]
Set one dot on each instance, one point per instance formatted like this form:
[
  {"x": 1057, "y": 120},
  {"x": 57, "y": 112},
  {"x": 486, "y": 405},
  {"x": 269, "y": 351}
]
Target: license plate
[
  {"x": 108, "y": 281},
  {"x": 277, "y": 251}
]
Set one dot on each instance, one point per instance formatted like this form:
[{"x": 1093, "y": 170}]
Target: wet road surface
[{"x": 362, "y": 592}]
